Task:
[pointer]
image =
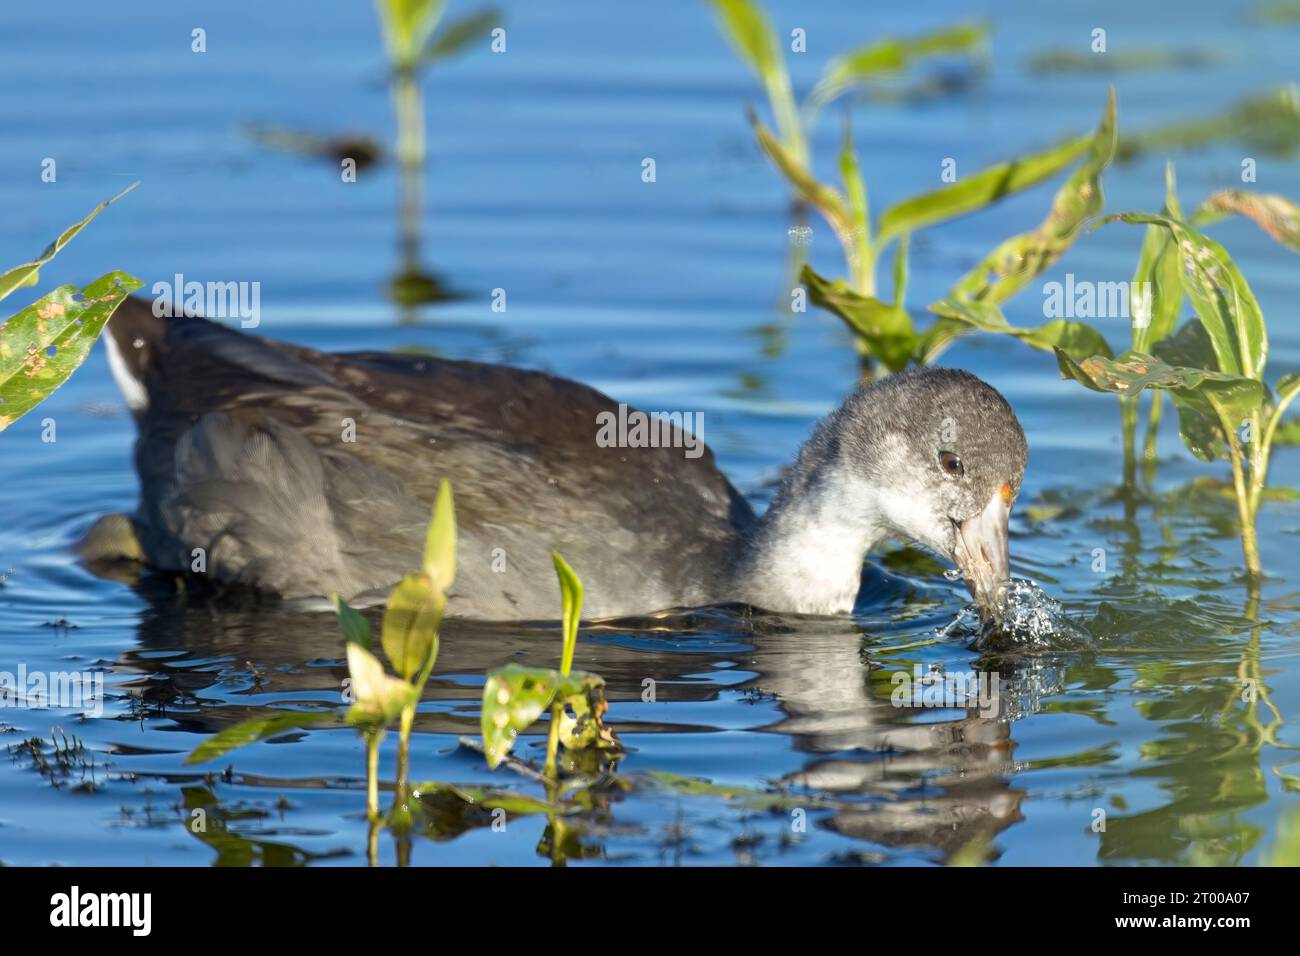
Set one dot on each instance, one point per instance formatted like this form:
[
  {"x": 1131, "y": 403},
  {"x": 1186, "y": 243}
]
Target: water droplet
[{"x": 952, "y": 574}]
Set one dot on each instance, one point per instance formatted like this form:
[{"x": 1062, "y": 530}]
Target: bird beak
[{"x": 981, "y": 554}]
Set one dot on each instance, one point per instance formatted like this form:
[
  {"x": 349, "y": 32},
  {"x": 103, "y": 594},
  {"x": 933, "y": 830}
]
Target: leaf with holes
[
  {"x": 46, "y": 342},
  {"x": 1219, "y": 293}
]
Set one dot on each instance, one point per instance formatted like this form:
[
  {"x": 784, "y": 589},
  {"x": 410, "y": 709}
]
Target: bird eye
[{"x": 951, "y": 464}]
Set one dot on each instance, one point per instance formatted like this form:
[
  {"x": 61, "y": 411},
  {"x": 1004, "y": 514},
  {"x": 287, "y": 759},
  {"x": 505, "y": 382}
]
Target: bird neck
[{"x": 805, "y": 555}]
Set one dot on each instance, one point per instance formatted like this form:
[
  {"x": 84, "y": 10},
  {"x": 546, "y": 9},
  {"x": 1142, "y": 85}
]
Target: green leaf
[
  {"x": 900, "y": 269},
  {"x": 1159, "y": 267},
  {"x": 979, "y": 190},
  {"x": 751, "y": 34},
  {"x": 934, "y": 340},
  {"x": 1018, "y": 260},
  {"x": 1219, "y": 293},
  {"x": 410, "y": 625},
  {"x": 407, "y": 26},
  {"x": 893, "y": 55},
  {"x": 251, "y": 731},
  {"x": 1276, "y": 215},
  {"x": 41, "y": 346},
  {"x": 824, "y": 198},
  {"x": 28, "y": 273},
  {"x": 514, "y": 697},
  {"x": 355, "y": 627},
  {"x": 1189, "y": 347},
  {"x": 1074, "y": 338},
  {"x": 1213, "y": 396},
  {"x": 886, "y": 329},
  {"x": 440, "y": 542},
  {"x": 378, "y": 697},
  {"x": 571, "y": 599},
  {"x": 581, "y": 717},
  {"x": 752, "y": 37},
  {"x": 461, "y": 32}
]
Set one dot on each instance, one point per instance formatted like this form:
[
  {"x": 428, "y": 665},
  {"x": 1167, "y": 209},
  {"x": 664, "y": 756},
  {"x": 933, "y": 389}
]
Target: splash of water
[{"x": 1028, "y": 618}]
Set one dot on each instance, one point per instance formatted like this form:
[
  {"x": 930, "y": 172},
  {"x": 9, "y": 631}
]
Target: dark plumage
[{"x": 245, "y": 451}]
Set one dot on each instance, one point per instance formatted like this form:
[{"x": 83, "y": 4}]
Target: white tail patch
[{"x": 133, "y": 390}]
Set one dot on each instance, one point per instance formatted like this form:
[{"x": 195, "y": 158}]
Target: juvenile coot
[{"x": 302, "y": 473}]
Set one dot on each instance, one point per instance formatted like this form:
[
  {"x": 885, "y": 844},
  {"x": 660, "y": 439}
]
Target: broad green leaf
[
  {"x": 1219, "y": 293},
  {"x": 461, "y": 32},
  {"x": 1287, "y": 432},
  {"x": 514, "y": 697},
  {"x": 752, "y": 37},
  {"x": 581, "y": 723},
  {"x": 886, "y": 329},
  {"x": 28, "y": 273},
  {"x": 410, "y": 625},
  {"x": 378, "y": 697},
  {"x": 1018, "y": 260},
  {"x": 826, "y": 199},
  {"x": 46, "y": 342},
  {"x": 1075, "y": 338},
  {"x": 979, "y": 190},
  {"x": 1189, "y": 347},
  {"x": 440, "y": 542},
  {"x": 1204, "y": 397},
  {"x": 1157, "y": 291},
  {"x": 1276, "y": 215},
  {"x": 893, "y": 55},
  {"x": 250, "y": 731},
  {"x": 571, "y": 600},
  {"x": 355, "y": 628},
  {"x": 407, "y": 26}
]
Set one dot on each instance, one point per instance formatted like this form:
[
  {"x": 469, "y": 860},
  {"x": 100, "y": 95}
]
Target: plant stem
[
  {"x": 404, "y": 753},
  {"x": 1128, "y": 408},
  {"x": 1245, "y": 511},
  {"x": 408, "y": 104},
  {"x": 1153, "y": 434},
  {"x": 553, "y": 740},
  {"x": 372, "y": 776}
]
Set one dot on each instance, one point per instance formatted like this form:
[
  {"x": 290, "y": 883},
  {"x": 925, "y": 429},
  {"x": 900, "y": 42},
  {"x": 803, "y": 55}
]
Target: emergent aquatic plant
[
  {"x": 1213, "y": 368},
  {"x": 409, "y": 637},
  {"x": 41, "y": 346},
  {"x": 515, "y": 696},
  {"x": 885, "y": 330},
  {"x": 408, "y": 30}
]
